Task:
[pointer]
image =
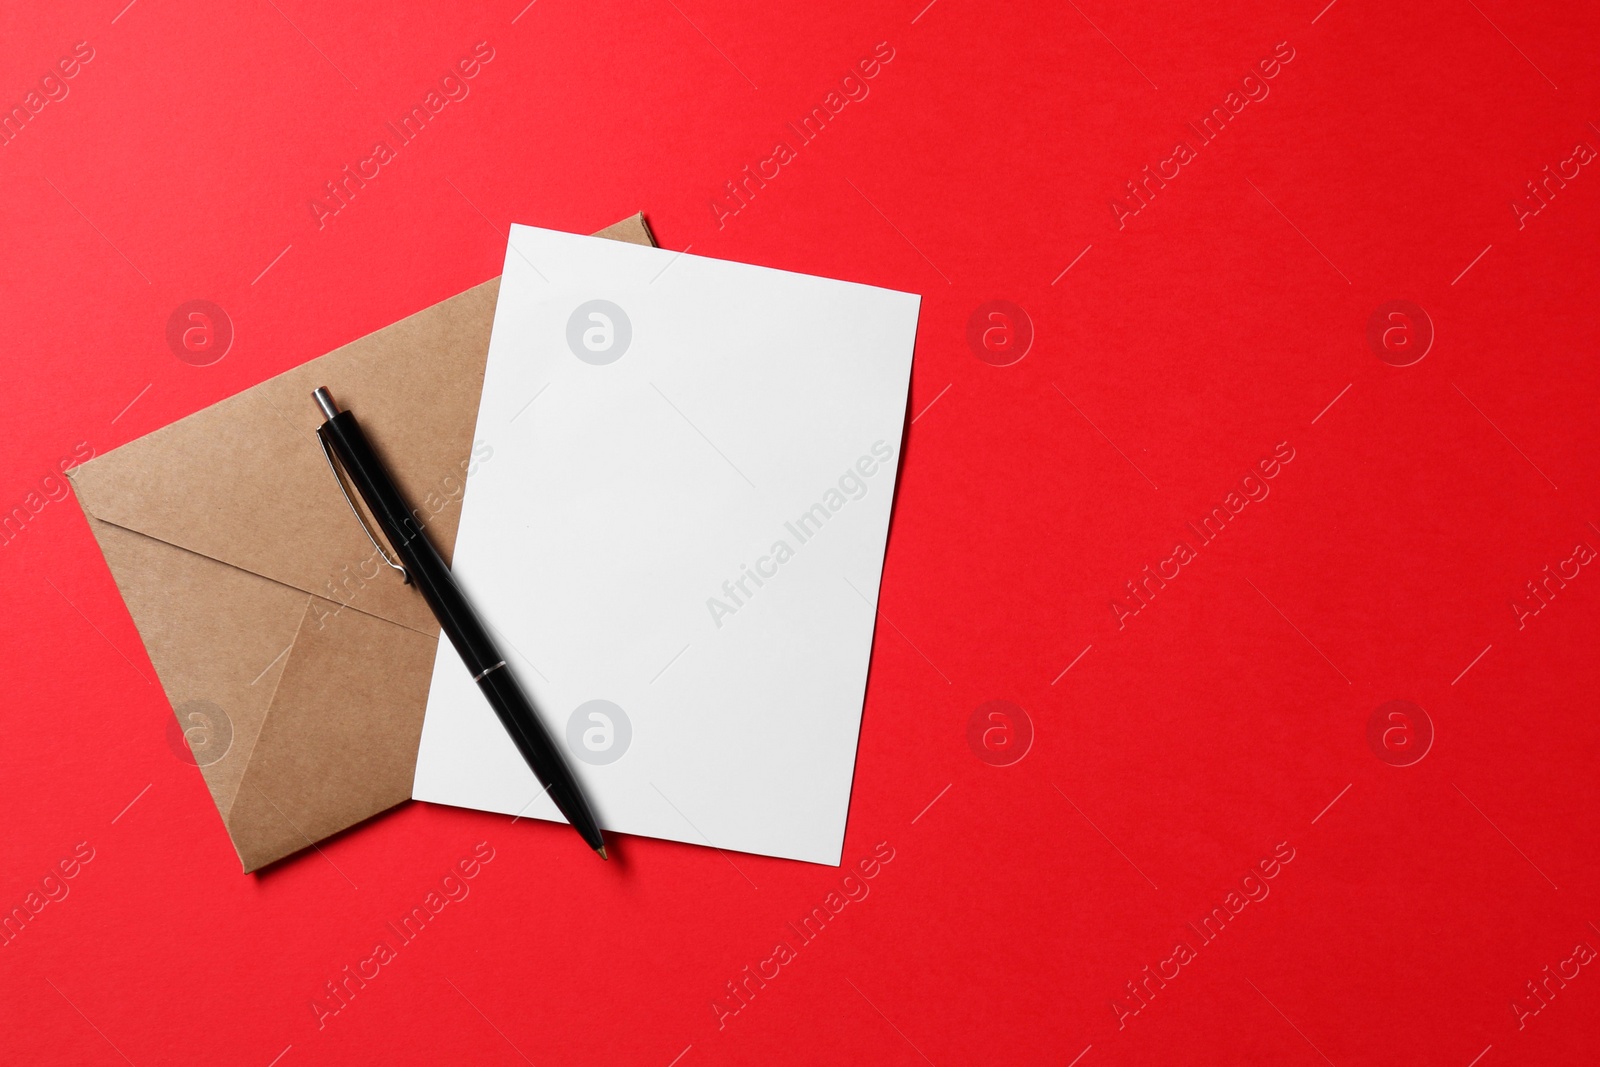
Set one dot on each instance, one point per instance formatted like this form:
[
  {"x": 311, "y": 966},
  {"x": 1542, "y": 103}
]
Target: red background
[{"x": 1220, "y": 721}]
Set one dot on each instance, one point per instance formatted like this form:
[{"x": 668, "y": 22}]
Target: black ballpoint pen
[{"x": 422, "y": 566}]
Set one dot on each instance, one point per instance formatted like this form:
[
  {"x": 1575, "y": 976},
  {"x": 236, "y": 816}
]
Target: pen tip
[{"x": 602, "y": 851}]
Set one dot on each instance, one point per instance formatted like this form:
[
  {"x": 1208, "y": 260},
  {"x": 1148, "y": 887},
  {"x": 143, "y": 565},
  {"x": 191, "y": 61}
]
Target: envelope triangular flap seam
[
  {"x": 365, "y": 740},
  {"x": 217, "y": 636}
]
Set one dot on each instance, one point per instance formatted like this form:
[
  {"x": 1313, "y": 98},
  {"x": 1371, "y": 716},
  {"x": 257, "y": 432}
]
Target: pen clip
[{"x": 345, "y": 489}]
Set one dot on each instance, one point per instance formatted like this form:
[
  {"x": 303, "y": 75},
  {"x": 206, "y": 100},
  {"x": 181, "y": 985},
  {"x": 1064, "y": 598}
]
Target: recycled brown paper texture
[{"x": 258, "y": 596}]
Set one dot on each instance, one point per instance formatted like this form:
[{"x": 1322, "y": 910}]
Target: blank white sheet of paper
[{"x": 675, "y": 527}]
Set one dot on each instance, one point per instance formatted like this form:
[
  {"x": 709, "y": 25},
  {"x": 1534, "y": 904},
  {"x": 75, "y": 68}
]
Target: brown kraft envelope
[{"x": 298, "y": 664}]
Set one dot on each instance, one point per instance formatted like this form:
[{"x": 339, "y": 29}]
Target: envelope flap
[
  {"x": 217, "y": 637},
  {"x": 245, "y": 481},
  {"x": 354, "y": 687}
]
